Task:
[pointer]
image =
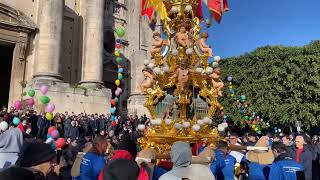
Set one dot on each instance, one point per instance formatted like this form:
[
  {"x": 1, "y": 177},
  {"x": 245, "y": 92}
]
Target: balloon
[
  {"x": 18, "y": 104},
  {"x": 45, "y": 99},
  {"x": 113, "y": 110},
  {"x": 60, "y": 142},
  {"x": 116, "y": 99},
  {"x": 50, "y": 129},
  {"x": 119, "y": 89},
  {"x": 242, "y": 97},
  {"x": 119, "y": 60},
  {"x": 49, "y": 136},
  {"x": 54, "y": 134},
  {"x": 49, "y": 116},
  {"x": 53, "y": 146},
  {"x": 119, "y": 66},
  {"x": 3, "y": 125},
  {"x": 50, "y": 108},
  {"x": 246, "y": 118},
  {"x": 44, "y": 89},
  {"x": 118, "y": 45},
  {"x": 113, "y": 102},
  {"x": 113, "y": 123},
  {"x": 120, "y": 70},
  {"x": 120, "y": 31},
  {"x": 120, "y": 76},
  {"x": 16, "y": 121},
  {"x": 117, "y": 53},
  {"x": 117, "y": 93},
  {"x": 49, "y": 140},
  {"x": 113, "y": 118},
  {"x": 31, "y": 92},
  {"x": 229, "y": 78},
  {"x": 117, "y": 82},
  {"x": 118, "y": 40},
  {"x": 30, "y": 102}
]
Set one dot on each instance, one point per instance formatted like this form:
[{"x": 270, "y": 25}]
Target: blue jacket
[
  {"x": 91, "y": 165},
  {"x": 306, "y": 158},
  {"x": 284, "y": 168},
  {"x": 258, "y": 171},
  {"x": 223, "y": 167}
]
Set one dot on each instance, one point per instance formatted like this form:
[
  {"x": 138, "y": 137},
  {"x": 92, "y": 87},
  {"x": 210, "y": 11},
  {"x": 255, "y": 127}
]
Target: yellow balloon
[
  {"x": 256, "y": 129},
  {"x": 253, "y": 126},
  {"x": 49, "y": 116},
  {"x": 116, "y": 53},
  {"x": 117, "y": 82}
]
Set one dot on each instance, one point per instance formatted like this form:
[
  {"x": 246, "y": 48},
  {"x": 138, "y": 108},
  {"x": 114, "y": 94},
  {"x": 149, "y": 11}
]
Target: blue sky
[{"x": 254, "y": 23}]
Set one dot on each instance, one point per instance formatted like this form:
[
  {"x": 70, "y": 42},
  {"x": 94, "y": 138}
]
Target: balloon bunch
[
  {"x": 119, "y": 47},
  {"x": 248, "y": 116},
  {"x": 46, "y": 101},
  {"x": 53, "y": 138}
]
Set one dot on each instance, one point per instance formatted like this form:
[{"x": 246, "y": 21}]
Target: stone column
[
  {"x": 49, "y": 43},
  {"x": 92, "y": 65}
]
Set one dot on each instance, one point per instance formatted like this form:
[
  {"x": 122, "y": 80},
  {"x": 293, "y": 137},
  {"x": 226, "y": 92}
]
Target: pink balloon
[
  {"x": 117, "y": 93},
  {"x": 30, "y": 102},
  {"x": 50, "y": 107},
  {"x": 119, "y": 89},
  {"x": 44, "y": 89},
  {"x": 54, "y": 134},
  {"x": 18, "y": 104}
]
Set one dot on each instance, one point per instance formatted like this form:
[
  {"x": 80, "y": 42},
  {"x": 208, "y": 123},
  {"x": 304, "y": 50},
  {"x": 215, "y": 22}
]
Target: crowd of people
[{"x": 97, "y": 148}]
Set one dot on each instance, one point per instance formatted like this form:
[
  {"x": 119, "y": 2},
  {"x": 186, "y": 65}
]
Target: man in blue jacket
[
  {"x": 284, "y": 167},
  {"x": 93, "y": 162}
]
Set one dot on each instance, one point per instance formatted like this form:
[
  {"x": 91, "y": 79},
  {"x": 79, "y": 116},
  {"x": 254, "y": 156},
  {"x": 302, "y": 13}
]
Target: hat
[
  {"x": 129, "y": 146},
  {"x": 115, "y": 170},
  {"x": 35, "y": 154},
  {"x": 261, "y": 157},
  {"x": 181, "y": 154}
]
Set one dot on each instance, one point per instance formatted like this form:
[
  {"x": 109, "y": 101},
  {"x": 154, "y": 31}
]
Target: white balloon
[
  {"x": 151, "y": 65},
  {"x": 186, "y": 124},
  {"x": 200, "y": 122},
  {"x": 174, "y": 9},
  {"x": 141, "y": 127},
  {"x": 217, "y": 58},
  {"x": 220, "y": 128},
  {"x": 167, "y": 121},
  {"x": 199, "y": 70},
  {"x": 215, "y": 64},
  {"x": 177, "y": 125},
  {"x": 49, "y": 141},
  {"x": 224, "y": 124},
  {"x": 196, "y": 127},
  {"x": 146, "y": 62},
  {"x": 189, "y": 51},
  {"x": 209, "y": 70},
  {"x": 3, "y": 126},
  {"x": 188, "y": 8},
  {"x": 157, "y": 70}
]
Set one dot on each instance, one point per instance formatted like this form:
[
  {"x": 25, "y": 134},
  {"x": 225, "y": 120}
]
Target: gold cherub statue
[
  {"x": 182, "y": 37},
  {"x": 182, "y": 75},
  {"x": 203, "y": 46},
  {"x": 215, "y": 79},
  {"x": 158, "y": 43},
  {"x": 148, "y": 82}
]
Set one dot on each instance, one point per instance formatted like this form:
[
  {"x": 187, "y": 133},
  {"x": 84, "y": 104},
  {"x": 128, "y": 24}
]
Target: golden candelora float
[{"x": 178, "y": 79}]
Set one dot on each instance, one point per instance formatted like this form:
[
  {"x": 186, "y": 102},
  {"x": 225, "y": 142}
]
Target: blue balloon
[
  {"x": 224, "y": 117},
  {"x": 16, "y": 121},
  {"x": 118, "y": 40},
  {"x": 49, "y": 136},
  {"x": 112, "y": 110},
  {"x": 113, "y": 118},
  {"x": 120, "y": 70},
  {"x": 53, "y": 146}
]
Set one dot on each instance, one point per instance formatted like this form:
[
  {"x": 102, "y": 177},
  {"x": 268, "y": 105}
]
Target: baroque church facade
[{"x": 68, "y": 45}]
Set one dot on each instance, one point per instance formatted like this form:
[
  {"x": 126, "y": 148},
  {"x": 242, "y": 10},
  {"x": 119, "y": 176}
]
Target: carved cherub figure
[
  {"x": 182, "y": 37},
  {"x": 158, "y": 43},
  {"x": 203, "y": 46},
  {"x": 148, "y": 82},
  {"x": 182, "y": 75},
  {"x": 215, "y": 79}
]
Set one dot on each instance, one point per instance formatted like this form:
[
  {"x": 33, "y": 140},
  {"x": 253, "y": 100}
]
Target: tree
[{"x": 283, "y": 83}]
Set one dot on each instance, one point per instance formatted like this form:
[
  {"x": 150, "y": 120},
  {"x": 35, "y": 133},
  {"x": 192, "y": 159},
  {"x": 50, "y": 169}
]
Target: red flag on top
[
  {"x": 217, "y": 7},
  {"x": 198, "y": 10},
  {"x": 146, "y": 11}
]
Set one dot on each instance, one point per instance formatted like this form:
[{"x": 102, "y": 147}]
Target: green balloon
[
  {"x": 45, "y": 99},
  {"x": 246, "y": 118},
  {"x": 119, "y": 59},
  {"x": 116, "y": 99},
  {"x": 120, "y": 76},
  {"x": 120, "y": 31},
  {"x": 31, "y": 92}
]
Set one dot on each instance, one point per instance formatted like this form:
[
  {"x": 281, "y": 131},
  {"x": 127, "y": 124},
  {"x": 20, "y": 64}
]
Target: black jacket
[
  {"x": 306, "y": 159},
  {"x": 18, "y": 173}
]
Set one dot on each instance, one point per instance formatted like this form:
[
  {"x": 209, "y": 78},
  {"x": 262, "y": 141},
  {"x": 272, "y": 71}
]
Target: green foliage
[{"x": 283, "y": 83}]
